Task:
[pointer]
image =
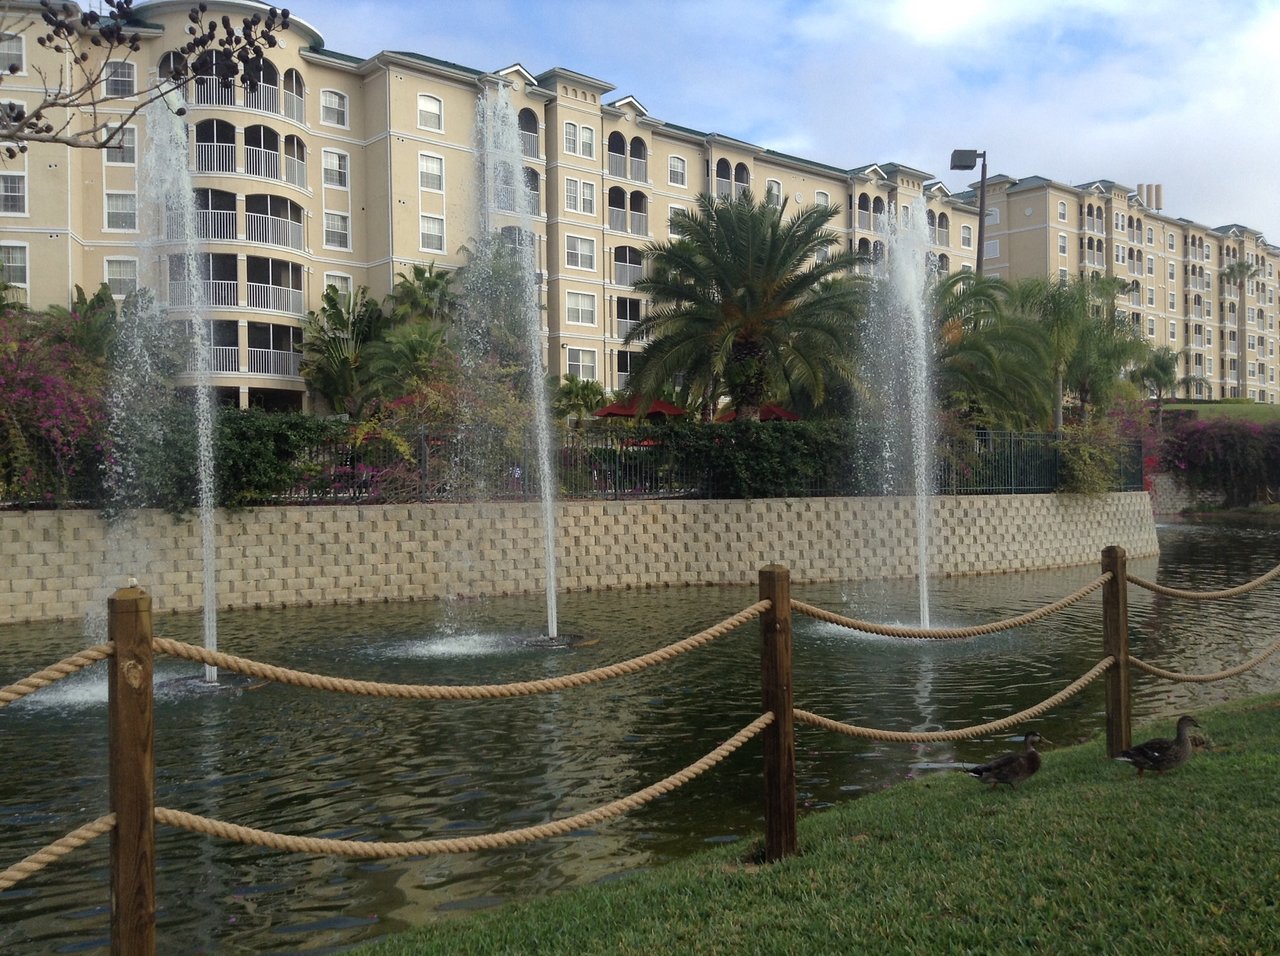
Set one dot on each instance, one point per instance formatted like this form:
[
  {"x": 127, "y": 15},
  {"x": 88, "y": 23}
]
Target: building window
[
  {"x": 335, "y": 168},
  {"x": 571, "y": 138},
  {"x": 677, "y": 171},
  {"x": 1151, "y": 296},
  {"x": 122, "y": 276},
  {"x": 120, "y": 79},
  {"x": 12, "y": 54},
  {"x": 13, "y": 194},
  {"x": 580, "y": 308},
  {"x": 430, "y": 172},
  {"x": 1151, "y": 236},
  {"x": 822, "y": 198},
  {"x": 966, "y": 237},
  {"x": 572, "y": 192},
  {"x": 1062, "y": 243},
  {"x": 1170, "y": 243},
  {"x": 773, "y": 192},
  {"x": 340, "y": 281},
  {"x": 1062, "y": 275},
  {"x": 122, "y": 211},
  {"x": 333, "y": 108},
  {"x": 1173, "y": 330},
  {"x": 582, "y": 363},
  {"x": 579, "y": 253},
  {"x": 432, "y": 233},
  {"x": 13, "y": 265},
  {"x": 992, "y": 250},
  {"x": 1173, "y": 301},
  {"x": 337, "y": 230},
  {"x": 123, "y": 150},
  {"x": 1062, "y": 212},
  {"x": 993, "y": 216},
  {"x": 430, "y": 112},
  {"x": 587, "y": 142}
]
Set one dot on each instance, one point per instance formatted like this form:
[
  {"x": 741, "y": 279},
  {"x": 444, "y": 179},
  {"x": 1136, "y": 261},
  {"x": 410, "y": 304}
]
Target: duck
[
  {"x": 1011, "y": 768},
  {"x": 1160, "y": 753}
]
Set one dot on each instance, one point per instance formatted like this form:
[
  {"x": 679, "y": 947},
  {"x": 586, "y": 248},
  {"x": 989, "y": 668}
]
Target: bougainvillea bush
[{"x": 1239, "y": 460}]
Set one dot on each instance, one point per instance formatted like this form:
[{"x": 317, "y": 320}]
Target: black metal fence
[{"x": 622, "y": 464}]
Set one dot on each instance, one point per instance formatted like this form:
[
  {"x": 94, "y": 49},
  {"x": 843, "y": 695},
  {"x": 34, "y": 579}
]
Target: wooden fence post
[
  {"x": 779, "y": 736},
  {"x": 1115, "y": 642},
  {"x": 131, "y": 736}
]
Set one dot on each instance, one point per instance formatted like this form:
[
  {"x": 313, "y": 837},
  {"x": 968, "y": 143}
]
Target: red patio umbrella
[
  {"x": 627, "y": 409},
  {"x": 768, "y": 413}
]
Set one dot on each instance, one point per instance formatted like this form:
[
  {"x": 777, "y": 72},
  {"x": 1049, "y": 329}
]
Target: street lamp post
[{"x": 967, "y": 159}]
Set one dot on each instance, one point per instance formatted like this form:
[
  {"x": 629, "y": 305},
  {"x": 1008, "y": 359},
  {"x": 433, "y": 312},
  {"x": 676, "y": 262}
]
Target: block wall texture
[{"x": 64, "y": 564}]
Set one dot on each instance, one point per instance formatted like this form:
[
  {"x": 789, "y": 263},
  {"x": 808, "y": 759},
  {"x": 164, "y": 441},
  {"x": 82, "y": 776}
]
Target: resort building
[{"x": 348, "y": 171}]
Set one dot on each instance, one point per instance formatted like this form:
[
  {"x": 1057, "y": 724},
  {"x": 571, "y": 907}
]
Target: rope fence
[{"x": 132, "y": 645}]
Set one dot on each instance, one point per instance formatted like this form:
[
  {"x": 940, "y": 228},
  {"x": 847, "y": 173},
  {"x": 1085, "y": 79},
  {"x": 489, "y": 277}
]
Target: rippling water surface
[{"x": 306, "y": 762}]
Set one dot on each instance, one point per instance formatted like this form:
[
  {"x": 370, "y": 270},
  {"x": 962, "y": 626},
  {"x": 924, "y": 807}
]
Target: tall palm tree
[
  {"x": 749, "y": 300},
  {"x": 990, "y": 363},
  {"x": 1158, "y": 376},
  {"x": 1108, "y": 345},
  {"x": 422, "y": 295}
]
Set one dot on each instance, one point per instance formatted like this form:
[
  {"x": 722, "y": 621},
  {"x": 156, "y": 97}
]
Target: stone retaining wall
[{"x": 64, "y": 564}]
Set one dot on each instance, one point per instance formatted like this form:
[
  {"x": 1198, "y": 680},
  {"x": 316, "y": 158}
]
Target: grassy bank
[{"x": 1083, "y": 858}]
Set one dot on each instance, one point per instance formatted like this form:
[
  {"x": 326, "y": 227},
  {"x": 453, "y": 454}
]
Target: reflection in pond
[{"x": 306, "y": 762}]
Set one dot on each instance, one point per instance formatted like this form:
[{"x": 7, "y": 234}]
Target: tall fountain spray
[
  {"x": 900, "y": 350},
  {"x": 507, "y": 212},
  {"x": 171, "y": 246}
]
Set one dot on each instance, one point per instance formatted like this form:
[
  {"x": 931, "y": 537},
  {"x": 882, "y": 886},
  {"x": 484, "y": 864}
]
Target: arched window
[
  {"x": 741, "y": 179},
  {"x": 533, "y": 190},
  {"x": 617, "y": 148},
  {"x": 430, "y": 112},
  {"x": 639, "y": 221},
  {"x": 294, "y": 93},
  {"x": 639, "y": 170},
  {"x": 527, "y": 121},
  {"x": 724, "y": 179},
  {"x": 262, "y": 152},
  {"x": 215, "y": 147}
]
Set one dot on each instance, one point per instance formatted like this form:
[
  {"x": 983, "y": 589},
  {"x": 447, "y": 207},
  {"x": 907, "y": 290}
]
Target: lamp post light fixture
[{"x": 967, "y": 159}]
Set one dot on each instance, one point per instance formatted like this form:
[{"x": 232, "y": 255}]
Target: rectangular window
[
  {"x": 571, "y": 195},
  {"x": 339, "y": 281},
  {"x": 579, "y": 253},
  {"x": 587, "y": 141},
  {"x": 430, "y": 112},
  {"x": 571, "y": 138},
  {"x": 1119, "y": 254},
  {"x": 13, "y": 193},
  {"x": 333, "y": 108},
  {"x": 580, "y": 308},
  {"x": 1151, "y": 326},
  {"x": 335, "y": 168},
  {"x": 1173, "y": 331},
  {"x": 677, "y": 171},
  {"x": 13, "y": 265},
  {"x": 588, "y": 198},
  {"x": 1151, "y": 265},
  {"x": 12, "y": 54},
  {"x": 1062, "y": 243},
  {"x": 432, "y": 233},
  {"x": 1062, "y": 212},
  {"x": 1173, "y": 272},
  {"x": 120, "y": 78},
  {"x": 582, "y": 363},
  {"x": 122, "y": 211},
  {"x": 337, "y": 230},
  {"x": 1062, "y": 275},
  {"x": 123, "y": 150},
  {"x": 966, "y": 237},
  {"x": 122, "y": 276},
  {"x": 992, "y": 250},
  {"x": 430, "y": 172},
  {"x": 773, "y": 193}
]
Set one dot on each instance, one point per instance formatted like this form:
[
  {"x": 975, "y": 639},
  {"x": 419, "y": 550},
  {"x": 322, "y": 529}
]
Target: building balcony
[
  {"x": 215, "y": 157},
  {"x": 295, "y": 107},
  {"x": 264, "y": 163},
  {"x": 265, "y": 98},
  {"x": 626, "y": 327},
  {"x": 273, "y": 230},
  {"x": 210, "y": 92},
  {"x": 275, "y": 362},
  {"x": 617, "y": 219},
  {"x": 295, "y": 172},
  {"x": 639, "y": 223},
  {"x": 275, "y": 298},
  {"x": 625, "y": 273},
  {"x": 639, "y": 170},
  {"x": 529, "y": 144},
  {"x": 724, "y": 188},
  {"x": 218, "y": 293},
  {"x": 224, "y": 358},
  {"x": 617, "y": 165}
]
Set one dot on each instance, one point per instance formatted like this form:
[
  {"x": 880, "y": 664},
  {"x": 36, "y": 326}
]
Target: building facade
[{"x": 348, "y": 171}]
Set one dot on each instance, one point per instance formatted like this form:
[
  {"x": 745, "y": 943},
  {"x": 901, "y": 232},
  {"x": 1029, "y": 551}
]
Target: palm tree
[
  {"x": 747, "y": 301},
  {"x": 1063, "y": 309},
  {"x": 1109, "y": 343},
  {"x": 1158, "y": 376},
  {"x": 990, "y": 364},
  {"x": 424, "y": 295},
  {"x": 334, "y": 338},
  {"x": 577, "y": 397}
]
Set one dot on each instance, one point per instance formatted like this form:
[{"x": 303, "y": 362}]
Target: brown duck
[
  {"x": 1011, "y": 768},
  {"x": 1161, "y": 753}
]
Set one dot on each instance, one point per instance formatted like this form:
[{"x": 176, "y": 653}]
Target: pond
[{"x": 306, "y": 762}]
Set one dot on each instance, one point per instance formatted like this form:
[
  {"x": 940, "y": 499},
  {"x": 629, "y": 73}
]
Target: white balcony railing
[
  {"x": 617, "y": 219},
  {"x": 864, "y": 219},
  {"x": 274, "y": 362},
  {"x": 215, "y": 157},
  {"x": 295, "y": 171},
  {"x": 944, "y": 237},
  {"x": 224, "y": 358},
  {"x": 216, "y": 223},
  {"x": 529, "y": 144},
  {"x": 275, "y": 298},
  {"x": 625, "y": 327},
  {"x": 625, "y": 273},
  {"x": 210, "y": 92},
  {"x": 640, "y": 170},
  {"x": 265, "y": 98},
  {"x": 295, "y": 107},
  {"x": 262, "y": 162},
  {"x": 273, "y": 230},
  {"x": 617, "y": 165},
  {"x": 217, "y": 292},
  {"x": 640, "y": 223},
  {"x": 724, "y": 188}
]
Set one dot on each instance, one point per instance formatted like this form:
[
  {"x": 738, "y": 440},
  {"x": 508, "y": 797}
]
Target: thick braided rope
[
  {"x": 51, "y": 675},
  {"x": 962, "y": 733},
  {"x": 1204, "y": 595},
  {"x": 344, "y": 685},
  {"x": 382, "y": 850},
  {"x": 1207, "y": 678},
  {"x": 947, "y": 633},
  {"x": 56, "y": 850}
]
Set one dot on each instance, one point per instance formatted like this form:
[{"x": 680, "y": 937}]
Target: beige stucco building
[{"x": 346, "y": 171}]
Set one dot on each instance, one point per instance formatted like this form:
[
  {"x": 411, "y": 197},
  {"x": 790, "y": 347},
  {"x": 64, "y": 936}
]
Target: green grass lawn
[
  {"x": 1083, "y": 858},
  {"x": 1245, "y": 411}
]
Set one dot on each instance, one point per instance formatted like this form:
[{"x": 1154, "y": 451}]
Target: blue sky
[{"x": 1155, "y": 92}]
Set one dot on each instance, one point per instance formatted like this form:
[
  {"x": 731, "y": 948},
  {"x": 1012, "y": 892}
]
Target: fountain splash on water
[
  {"x": 506, "y": 217},
  {"x": 900, "y": 351},
  {"x": 153, "y": 348}
]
